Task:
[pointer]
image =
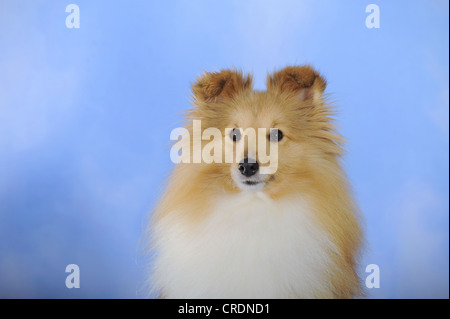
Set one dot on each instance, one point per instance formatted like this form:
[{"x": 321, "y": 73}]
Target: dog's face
[{"x": 275, "y": 137}]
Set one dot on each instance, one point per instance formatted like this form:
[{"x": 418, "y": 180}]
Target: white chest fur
[{"x": 249, "y": 247}]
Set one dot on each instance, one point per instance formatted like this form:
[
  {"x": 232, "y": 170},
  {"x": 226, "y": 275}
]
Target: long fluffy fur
[{"x": 299, "y": 237}]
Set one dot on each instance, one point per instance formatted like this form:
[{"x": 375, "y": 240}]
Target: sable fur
[{"x": 308, "y": 169}]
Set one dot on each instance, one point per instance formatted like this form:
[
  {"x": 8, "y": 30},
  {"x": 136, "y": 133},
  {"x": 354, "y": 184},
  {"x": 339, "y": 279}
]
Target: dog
[{"x": 238, "y": 230}]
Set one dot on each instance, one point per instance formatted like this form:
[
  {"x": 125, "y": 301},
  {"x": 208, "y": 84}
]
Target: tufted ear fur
[
  {"x": 304, "y": 80},
  {"x": 224, "y": 84}
]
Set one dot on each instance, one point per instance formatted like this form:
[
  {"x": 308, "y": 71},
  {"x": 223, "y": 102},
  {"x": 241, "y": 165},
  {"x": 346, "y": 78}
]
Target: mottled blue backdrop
[{"x": 85, "y": 118}]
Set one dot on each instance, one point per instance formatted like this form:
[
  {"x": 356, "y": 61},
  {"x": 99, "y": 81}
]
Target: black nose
[{"x": 248, "y": 169}]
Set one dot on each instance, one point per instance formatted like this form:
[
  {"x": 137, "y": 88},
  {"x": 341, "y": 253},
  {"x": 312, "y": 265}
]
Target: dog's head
[{"x": 269, "y": 140}]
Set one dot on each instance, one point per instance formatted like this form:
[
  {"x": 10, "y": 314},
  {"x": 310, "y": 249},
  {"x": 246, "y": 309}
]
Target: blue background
[{"x": 85, "y": 118}]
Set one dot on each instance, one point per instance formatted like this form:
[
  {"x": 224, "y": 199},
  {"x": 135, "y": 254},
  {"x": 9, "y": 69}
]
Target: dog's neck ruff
[{"x": 248, "y": 246}]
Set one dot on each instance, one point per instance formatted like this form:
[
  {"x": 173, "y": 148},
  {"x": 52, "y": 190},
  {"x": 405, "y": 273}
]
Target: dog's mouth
[
  {"x": 255, "y": 184},
  {"x": 252, "y": 183}
]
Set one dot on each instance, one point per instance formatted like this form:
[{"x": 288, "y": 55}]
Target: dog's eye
[
  {"x": 275, "y": 135},
  {"x": 235, "y": 135}
]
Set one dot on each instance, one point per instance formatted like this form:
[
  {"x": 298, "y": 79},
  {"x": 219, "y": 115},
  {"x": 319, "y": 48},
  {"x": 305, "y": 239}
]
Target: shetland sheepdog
[{"x": 235, "y": 229}]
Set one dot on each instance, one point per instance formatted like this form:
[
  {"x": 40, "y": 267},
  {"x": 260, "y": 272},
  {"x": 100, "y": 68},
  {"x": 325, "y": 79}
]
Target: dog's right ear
[
  {"x": 212, "y": 86},
  {"x": 301, "y": 80}
]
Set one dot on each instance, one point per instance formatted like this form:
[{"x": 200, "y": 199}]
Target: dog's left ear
[
  {"x": 220, "y": 85},
  {"x": 303, "y": 80}
]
